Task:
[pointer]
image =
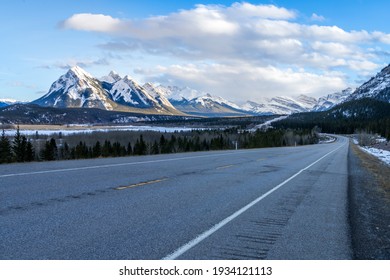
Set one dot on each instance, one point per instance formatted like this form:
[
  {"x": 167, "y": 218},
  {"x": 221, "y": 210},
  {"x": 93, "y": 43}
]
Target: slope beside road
[{"x": 277, "y": 203}]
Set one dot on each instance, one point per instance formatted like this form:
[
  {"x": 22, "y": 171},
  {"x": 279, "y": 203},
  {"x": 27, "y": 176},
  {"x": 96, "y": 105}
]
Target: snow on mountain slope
[
  {"x": 7, "y": 102},
  {"x": 209, "y": 105},
  {"x": 111, "y": 78},
  {"x": 127, "y": 92},
  {"x": 281, "y": 105},
  {"x": 326, "y": 102},
  {"x": 175, "y": 93},
  {"x": 377, "y": 87},
  {"x": 79, "y": 89},
  {"x": 160, "y": 97},
  {"x": 76, "y": 89},
  {"x": 210, "y": 101},
  {"x": 195, "y": 102}
]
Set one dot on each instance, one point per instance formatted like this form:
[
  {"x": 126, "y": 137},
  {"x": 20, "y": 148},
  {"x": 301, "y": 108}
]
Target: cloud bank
[{"x": 243, "y": 50}]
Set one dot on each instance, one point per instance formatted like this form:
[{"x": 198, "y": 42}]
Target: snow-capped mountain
[
  {"x": 377, "y": 87},
  {"x": 76, "y": 89},
  {"x": 208, "y": 105},
  {"x": 79, "y": 89},
  {"x": 7, "y": 102},
  {"x": 282, "y": 105},
  {"x": 111, "y": 78},
  {"x": 194, "y": 102},
  {"x": 175, "y": 93},
  {"x": 329, "y": 101},
  {"x": 127, "y": 92},
  {"x": 160, "y": 97}
]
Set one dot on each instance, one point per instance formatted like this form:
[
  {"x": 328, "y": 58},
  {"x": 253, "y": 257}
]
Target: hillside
[
  {"x": 34, "y": 114},
  {"x": 362, "y": 114}
]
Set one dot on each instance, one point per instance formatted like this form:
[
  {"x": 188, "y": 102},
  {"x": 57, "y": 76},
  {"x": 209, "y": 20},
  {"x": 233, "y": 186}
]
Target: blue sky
[{"x": 237, "y": 50}]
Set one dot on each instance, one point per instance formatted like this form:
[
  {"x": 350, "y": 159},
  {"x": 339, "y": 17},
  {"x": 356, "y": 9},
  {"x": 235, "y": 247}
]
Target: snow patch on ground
[
  {"x": 381, "y": 154},
  {"x": 326, "y": 139},
  {"x": 267, "y": 124}
]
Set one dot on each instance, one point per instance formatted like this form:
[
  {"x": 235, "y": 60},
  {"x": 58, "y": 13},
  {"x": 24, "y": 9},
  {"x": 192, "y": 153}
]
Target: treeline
[
  {"x": 366, "y": 114},
  {"x": 21, "y": 149},
  {"x": 338, "y": 125}
]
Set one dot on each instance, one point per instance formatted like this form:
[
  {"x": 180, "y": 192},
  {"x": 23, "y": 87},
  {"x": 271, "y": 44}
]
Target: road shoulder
[{"x": 369, "y": 205}]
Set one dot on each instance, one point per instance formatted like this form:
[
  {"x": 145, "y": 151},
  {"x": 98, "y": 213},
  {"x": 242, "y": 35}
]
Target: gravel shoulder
[{"x": 369, "y": 205}]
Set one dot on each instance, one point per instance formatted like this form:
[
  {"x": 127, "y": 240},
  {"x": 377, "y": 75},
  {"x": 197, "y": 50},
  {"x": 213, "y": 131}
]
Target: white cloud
[
  {"x": 68, "y": 63},
  {"x": 331, "y": 48},
  {"x": 245, "y": 10},
  {"x": 221, "y": 39},
  {"x": 315, "y": 17},
  {"x": 92, "y": 22},
  {"x": 243, "y": 81}
]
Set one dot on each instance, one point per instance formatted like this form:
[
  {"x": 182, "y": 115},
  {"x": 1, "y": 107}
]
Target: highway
[{"x": 274, "y": 203}]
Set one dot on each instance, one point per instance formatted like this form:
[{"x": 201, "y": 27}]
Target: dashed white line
[{"x": 222, "y": 223}]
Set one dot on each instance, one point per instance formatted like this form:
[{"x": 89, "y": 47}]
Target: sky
[{"x": 238, "y": 50}]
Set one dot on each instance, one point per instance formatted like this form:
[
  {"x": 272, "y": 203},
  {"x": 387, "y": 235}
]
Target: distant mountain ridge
[
  {"x": 79, "y": 89},
  {"x": 7, "y": 102}
]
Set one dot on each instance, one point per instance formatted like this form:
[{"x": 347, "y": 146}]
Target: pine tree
[
  {"x": 5, "y": 149},
  {"x": 30, "y": 153},
  {"x": 97, "y": 150},
  {"x": 66, "y": 153},
  {"x": 18, "y": 146},
  {"x": 50, "y": 150},
  {"x": 107, "y": 149},
  {"x": 155, "y": 148},
  {"x": 140, "y": 147}
]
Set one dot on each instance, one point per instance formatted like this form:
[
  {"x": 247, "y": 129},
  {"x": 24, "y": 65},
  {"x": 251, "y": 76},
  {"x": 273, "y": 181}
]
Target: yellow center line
[
  {"x": 226, "y": 166},
  {"x": 141, "y": 184}
]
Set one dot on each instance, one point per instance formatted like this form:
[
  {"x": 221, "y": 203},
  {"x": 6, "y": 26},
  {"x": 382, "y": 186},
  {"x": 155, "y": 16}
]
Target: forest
[
  {"x": 21, "y": 148},
  {"x": 367, "y": 114}
]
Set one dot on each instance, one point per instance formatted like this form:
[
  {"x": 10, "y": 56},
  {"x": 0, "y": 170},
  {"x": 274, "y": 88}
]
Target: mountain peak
[
  {"x": 111, "y": 78},
  {"x": 114, "y": 75},
  {"x": 79, "y": 72}
]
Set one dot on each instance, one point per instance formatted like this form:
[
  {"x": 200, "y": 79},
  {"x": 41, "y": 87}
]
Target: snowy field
[{"x": 85, "y": 130}]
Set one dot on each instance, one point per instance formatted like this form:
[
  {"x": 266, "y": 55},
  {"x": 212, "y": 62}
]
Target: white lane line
[
  {"x": 119, "y": 164},
  {"x": 216, "y": 227}
]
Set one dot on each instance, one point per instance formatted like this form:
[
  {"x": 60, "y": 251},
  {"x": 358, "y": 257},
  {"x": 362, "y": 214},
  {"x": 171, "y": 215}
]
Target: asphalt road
[{"x": 277, "y": 203}]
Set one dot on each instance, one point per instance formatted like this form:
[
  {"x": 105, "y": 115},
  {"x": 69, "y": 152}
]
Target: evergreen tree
[
  {"x": 30, "y": 153},
  {"x": 137, "y": 149},
  {"x": 50, "y": 151},
  {"x": 140, "y": 147},
  {"x": 155, "y": 148},
  {"x": 107, "y": 149},
  {"x": 66, "y": 153},
  {"x": 19, "y": 146},
  {"x": 97, "y": 150},
  {"x": 5, "y": 149}
]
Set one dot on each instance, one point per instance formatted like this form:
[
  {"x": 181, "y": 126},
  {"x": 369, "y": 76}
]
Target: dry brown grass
[{"x": 380, "y": 170}]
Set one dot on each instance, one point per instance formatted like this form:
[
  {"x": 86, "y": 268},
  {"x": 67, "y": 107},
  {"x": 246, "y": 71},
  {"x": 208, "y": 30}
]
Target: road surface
[{"x": 276, "y": 203}]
